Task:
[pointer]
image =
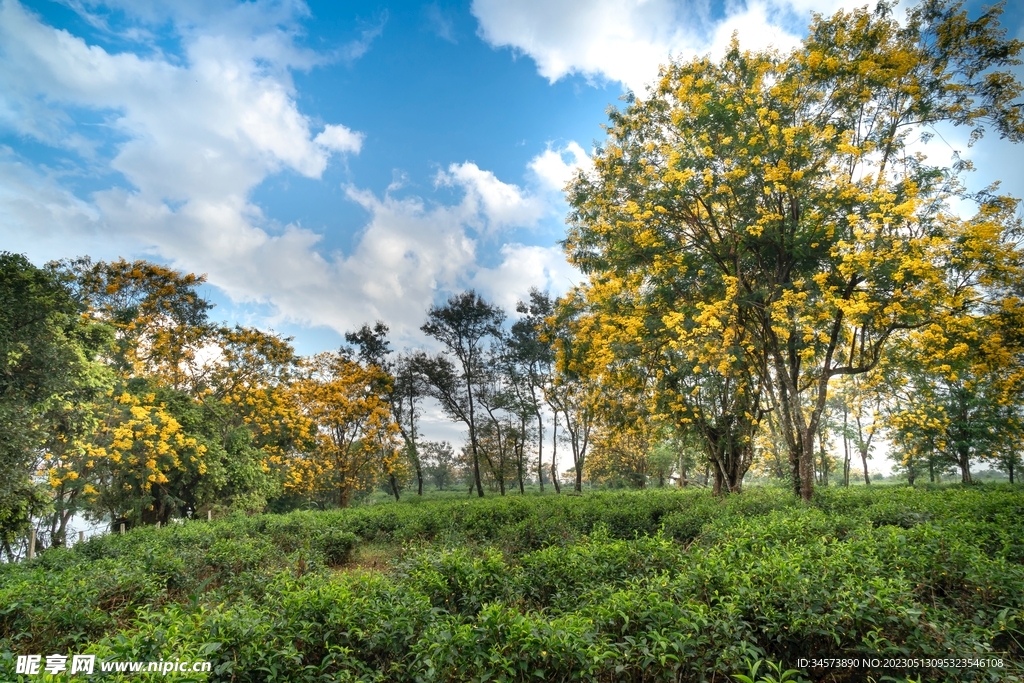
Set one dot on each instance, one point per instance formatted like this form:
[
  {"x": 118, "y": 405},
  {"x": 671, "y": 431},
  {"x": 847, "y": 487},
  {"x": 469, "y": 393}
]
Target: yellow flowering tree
[
  {"x": 140, "y": 454},
  {"x": 353, "y": 440},
  {"x": 68, "y": 458},
  {"x": 159, "y": 317},
  {"x": 761, "y": 224},
  {"x": 250, "y": 395},
  {"x": 956, "y": 393}
]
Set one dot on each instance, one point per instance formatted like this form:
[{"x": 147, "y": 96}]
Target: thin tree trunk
[
  {"x": 472, "y": 439},
  {"x": 412, "y": 446},
  {"x": 864, "y": 447},
  {"x": 554, "y": 455},
  {"x": 846, "y": 449},
  {"x": 540, "y": 450}
]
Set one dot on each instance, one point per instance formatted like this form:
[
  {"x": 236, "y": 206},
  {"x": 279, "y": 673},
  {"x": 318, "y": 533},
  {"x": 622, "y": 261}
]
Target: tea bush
[{"x": 647, "y": 586}]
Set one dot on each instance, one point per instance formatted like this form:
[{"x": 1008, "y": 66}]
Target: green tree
[
  {"x": 404, "y": 390},
  {"x": 46, "y": 372},
  {"x": 535, "y": 356},
  {"x": 776, "y": 198},
  {"x": 439, "y": 462},
  {"x": 465, "y": 325}
]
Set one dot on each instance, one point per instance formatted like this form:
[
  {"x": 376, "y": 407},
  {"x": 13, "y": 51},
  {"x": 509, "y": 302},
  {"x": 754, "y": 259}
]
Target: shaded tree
[{"x": 465, "y": 325}]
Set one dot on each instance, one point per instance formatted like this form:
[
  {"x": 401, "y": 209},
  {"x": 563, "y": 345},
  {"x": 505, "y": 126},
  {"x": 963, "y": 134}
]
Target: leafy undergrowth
[{"x": 647, "y": 586}]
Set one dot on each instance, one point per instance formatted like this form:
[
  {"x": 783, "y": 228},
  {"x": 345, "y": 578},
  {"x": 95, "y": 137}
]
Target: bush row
[{"x": 660, "y": 585}]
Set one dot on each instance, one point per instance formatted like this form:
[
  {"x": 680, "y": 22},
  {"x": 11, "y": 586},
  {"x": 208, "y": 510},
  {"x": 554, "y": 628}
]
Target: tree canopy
[{"x": 759, "y": 225}]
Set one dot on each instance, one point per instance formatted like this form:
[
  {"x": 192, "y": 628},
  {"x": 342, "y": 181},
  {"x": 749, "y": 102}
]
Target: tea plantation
[{"x": 660, "y": 585}]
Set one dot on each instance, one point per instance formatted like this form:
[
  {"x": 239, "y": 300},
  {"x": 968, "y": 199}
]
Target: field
[{"x": 659, "y": 585}]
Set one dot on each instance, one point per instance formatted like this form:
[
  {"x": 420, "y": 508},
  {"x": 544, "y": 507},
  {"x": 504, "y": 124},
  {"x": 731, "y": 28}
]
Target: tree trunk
[
  {"x": 540, "y": 450},
  {"x": 554, "y": 456},
  {"x": 794, "y": 470},
  {"x": 412, "y": 446},
  {"x": 846, "y": 449},
  {"x": 965, "y": 466},
  {"x": 522, "y": 486},
  {"x": 472, "y": 440},
  {"x": 394, "y": 486},
  {"x": 520, "y": 450},
  {"x": 822, "y": 455}
]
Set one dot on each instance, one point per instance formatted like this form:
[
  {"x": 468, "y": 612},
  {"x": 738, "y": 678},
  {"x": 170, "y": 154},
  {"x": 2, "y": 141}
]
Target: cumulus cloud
[
  {"x": 500, "y": 204},
  {"x": 60, "y": 221},
  {"x": 626, "y": 40},
  {"x": 187, "y": 139},
  {"x": 412, "y": 250},
  {"x": 522, "y": 267},
  {"x": 554, "y": 171},
  {"x": 193, "y": 137},
  {"x": 340, "y": 139}
]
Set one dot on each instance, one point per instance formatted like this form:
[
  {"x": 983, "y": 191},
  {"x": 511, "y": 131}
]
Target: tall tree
[
  {"x": 47, "y": 370},
  {"x": 159, "y": 316},
  {"x": 465, "y": 325},
  {"x": 352, "y": 431},
  {"x": 404, "y": 390},
  {"x": 781, "y": 188},
  {"x": 534, "y": 353}
]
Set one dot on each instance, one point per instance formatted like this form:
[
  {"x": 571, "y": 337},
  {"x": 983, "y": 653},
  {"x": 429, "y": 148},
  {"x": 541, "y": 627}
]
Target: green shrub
[
  {"x": 337, "y": 546},
  {"x": 662, "y": 585}
]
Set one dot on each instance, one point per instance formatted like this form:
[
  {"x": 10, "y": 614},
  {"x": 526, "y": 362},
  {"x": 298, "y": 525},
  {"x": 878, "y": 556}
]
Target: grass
[{"x": 659, "y": 585}]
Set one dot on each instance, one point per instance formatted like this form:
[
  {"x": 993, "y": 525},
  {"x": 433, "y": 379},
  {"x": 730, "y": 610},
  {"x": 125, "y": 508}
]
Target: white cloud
[
  {"x": 192, "y": 141},
  {"x": 523, "y": 267},
  {"x": 61, "y": 222},
  {"x": 340, "y": 139},
  {"x": 552, "y": 169},
  {"x": 407, "y": 253},
  {"x": 193, "y": 137},
  {"x": 626, "y": 40},
  {"x": 502, "y": 205}
]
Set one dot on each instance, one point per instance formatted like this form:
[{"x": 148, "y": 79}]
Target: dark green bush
[
  {"x": 337, "y": 546},
  {"x": 660, "y": 585}
]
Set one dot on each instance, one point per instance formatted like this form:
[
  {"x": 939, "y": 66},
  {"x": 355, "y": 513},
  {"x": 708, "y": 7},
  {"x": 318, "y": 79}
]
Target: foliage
[
  {"x": 337, "y": 546},
  {"x": 659, "y": 585},
  {"x": 350, "y": 427},
  {"x": 48, "y": 379},
  {"x": 159, "y": 317},
  {"x": 756, "y": 226},
  {"x": 465, "y": 325},
  {"x": 438, "y": 462}
]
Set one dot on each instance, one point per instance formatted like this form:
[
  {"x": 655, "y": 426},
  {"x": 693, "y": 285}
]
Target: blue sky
[{"x": 331, "y": 163}]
